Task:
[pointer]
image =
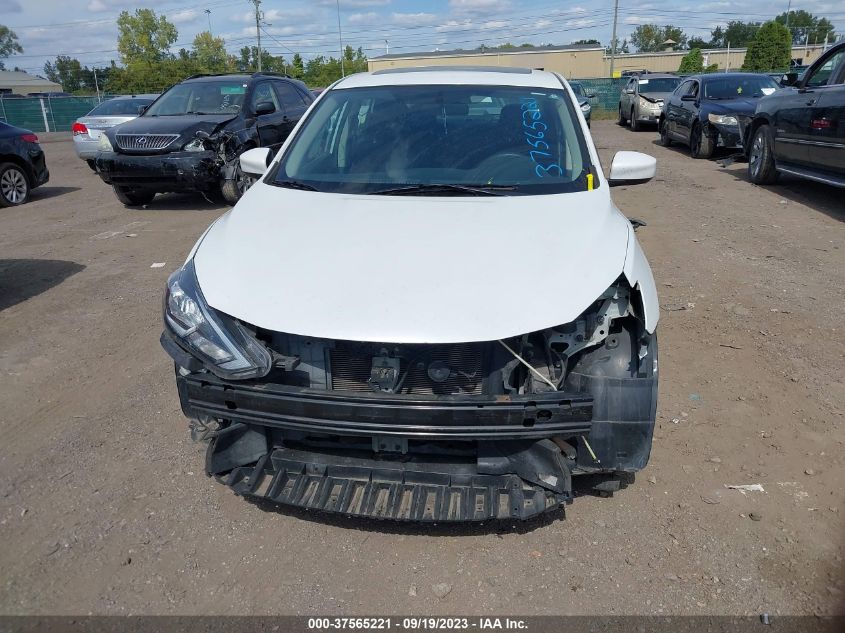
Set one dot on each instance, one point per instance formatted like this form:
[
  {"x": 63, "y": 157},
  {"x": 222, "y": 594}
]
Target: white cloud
[
  {"x": 362, "y": 18},
  {"x": 98, "y": 6},
  {"x": 10, "y": 6},
  {"x": 414, "y": 19},
  {"x": 353, "y": 4},
  {"x": 185, "y": 16},
  {"x": 478, "y": 6}
]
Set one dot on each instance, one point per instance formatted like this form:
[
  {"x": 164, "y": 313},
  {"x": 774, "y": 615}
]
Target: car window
[
  {"x": 361, "y": 140},
  {"x": 734, "y": 87},
  {"x": 119, "y": 107},
  {"x": 288, "y": 95},
  {"x": 689, "y": 87},
  {"x": 201, "y": 97},
  {"x": 263, "y": 93},
  {"x": 306, "y": 97},
  {"x": 659, "y": 84},
  {"x": 822, "y": 75},
  {"x": 578, "y": 89}
]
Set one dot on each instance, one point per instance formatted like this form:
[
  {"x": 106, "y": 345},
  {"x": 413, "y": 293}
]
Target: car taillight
[
  {"x": 78, "y": 128},
  {"x": 29, "y": 138}
]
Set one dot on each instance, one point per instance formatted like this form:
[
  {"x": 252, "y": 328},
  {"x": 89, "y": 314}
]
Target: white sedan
[{"x": 427, "y": 307}]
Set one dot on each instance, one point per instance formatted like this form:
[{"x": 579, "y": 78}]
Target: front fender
[{"x": 638, "y": 273}]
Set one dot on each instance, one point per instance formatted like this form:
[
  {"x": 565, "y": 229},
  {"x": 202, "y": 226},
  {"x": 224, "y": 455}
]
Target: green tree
[
  {"x": 66, "y": 71},
  {"x": 736, "y": 34},
  {"x": 586, "y": 42},
  {"x": 210, "y": 53},
  {"x": 698, "y": 42},
  {"x": 144, "y": 37},
  {"x": 8, "y": 44},
  {"x": 297, "y": 66},
  {"x": 771, "y": 49},
  {"x": 649, "y": 38},
  {"x": 692, "y": 62},
  {"x": 806, "y": 27}
]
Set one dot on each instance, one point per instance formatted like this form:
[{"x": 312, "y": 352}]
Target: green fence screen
[
  {"x": 606, "y": 91},
  {"x": 46, "y": 114}
]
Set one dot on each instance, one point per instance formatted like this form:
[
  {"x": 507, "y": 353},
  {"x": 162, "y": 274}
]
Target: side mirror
[
  {"x": 629, "y": 91},
  {"x": 789, "y": 79},
  {"x": 591, "y": 95},
  {"x": 142, "y": 109},
  {"x": 255, "y": 161},
  {"x": 631, "y": 168},
  {"x": 264, "y": 107},
  {"x": 689, "y": 98}
]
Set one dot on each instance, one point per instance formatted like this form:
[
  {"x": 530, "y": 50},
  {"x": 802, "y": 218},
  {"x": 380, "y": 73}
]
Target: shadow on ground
[
  {"x": 182, "y": 202},
  {"x": 21, "y": 279},
  {"x": 46, "y": 192}
]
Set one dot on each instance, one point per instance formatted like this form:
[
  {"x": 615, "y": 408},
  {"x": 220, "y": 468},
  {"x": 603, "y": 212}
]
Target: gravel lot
[{"x": 104, "y": 507}]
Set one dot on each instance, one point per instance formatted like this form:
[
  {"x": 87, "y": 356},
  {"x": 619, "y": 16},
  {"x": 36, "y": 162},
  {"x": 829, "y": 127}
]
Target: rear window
[
  {"x": 363, "y": 140},
  {"x": 119, "y": 107}
]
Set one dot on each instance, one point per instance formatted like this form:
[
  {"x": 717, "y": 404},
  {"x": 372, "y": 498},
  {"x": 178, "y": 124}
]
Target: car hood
[
  {"x": 185, "y": 125},
  {"x": 410, "y": 269},
  {"x": 656, "y": 96},
  {"x": 730, "y": 106}
]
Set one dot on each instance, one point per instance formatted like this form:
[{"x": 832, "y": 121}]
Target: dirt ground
[{"x": 104, "y": 507}]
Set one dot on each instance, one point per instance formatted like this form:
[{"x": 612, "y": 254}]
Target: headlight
[
  {"x": 223, "y": 345},
  {"x": 104, "y": 145},
  {"x": 586, "y": 107},
  {"x": 721, "y": 119},
  {"x": 197, "y": 145}
]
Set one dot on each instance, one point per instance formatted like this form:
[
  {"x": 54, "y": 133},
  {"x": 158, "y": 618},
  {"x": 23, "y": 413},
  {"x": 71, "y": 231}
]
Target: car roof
[
  {"x": 656, "y": 76},
  {"x": 439, "y": 75},
  {"x": 712, "y": 76},
  {"x": 120, "y": 97},
  {"x": 224, "y": 76}
]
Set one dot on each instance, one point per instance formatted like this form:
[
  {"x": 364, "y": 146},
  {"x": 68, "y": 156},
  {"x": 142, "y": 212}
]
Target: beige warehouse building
[{"x": 575, "y": 61}]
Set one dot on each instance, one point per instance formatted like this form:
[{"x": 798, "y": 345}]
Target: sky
[{"x": 86, "y": 29}]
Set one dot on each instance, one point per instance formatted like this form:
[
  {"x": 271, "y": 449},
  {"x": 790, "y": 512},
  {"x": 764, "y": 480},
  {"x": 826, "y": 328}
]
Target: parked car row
[
  {"x": 22, "y": 165},
  {"x": 795, "y": 127}
]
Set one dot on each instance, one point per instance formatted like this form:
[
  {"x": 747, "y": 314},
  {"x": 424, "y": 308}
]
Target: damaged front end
[{"x": 420, "y": 432}]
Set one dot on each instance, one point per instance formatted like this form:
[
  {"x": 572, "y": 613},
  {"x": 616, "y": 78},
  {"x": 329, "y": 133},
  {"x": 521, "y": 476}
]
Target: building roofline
[{"x": 490, "y": 53}]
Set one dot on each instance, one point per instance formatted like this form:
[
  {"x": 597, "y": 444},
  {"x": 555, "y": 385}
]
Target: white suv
[{"x": 427, "y": 308}]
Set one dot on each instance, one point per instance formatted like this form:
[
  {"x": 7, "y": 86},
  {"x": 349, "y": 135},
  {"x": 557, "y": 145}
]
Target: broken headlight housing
[
  {"x": 722, "y": 119},
  {"x": 104, "y": 144},
  {"x": 221, "y": 343},
  {"x": 196, "y": 145}
]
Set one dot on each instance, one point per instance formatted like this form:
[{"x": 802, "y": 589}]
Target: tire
[
  {"x": 233, "y": 188},
  {"x": 635, "y": 125},
  {"x": 761, "y": 160},
  {"x": 665, "y": 141},
  {"x": 621, "y": 120},
  {"x": 701, "y": 145},
  {"x": 92, "y": 164},
  {"x": 132, "y": 197},
  {"x": 14, "y": 185}
]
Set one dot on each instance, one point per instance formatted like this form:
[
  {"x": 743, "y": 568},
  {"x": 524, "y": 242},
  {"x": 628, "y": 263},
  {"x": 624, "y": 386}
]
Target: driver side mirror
[
  {"x": 264, "y": 107},
  {"x": 689, "y": 98},
  {"x": 631, "y": 168},
  {"x": 256, "y": 160},
  {"x": 142, "y": 109},
  {"x": 591, "y": 95}
]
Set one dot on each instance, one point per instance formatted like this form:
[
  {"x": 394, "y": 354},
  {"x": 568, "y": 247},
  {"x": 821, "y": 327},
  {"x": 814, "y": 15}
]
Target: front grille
[
  {"x": 141, "y": 142},
  {"x": 351, "y": 366}
]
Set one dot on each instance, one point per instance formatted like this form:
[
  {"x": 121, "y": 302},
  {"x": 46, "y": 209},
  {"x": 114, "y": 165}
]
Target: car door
[
  {"x": 293, "y": 103},
  {"x": 269, "y": 124},
  {"x": 824, "y": 136},
  {"x": 672, "y": 108},
  {"x": 688, "y": 111}
]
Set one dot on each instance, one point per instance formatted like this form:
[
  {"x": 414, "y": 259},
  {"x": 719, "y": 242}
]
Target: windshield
[
  {"x": 660, "y": 84},
  {"x": 119, "y": 107},
  {"x": 737, "y": 87},
  {"x": 578, "y": 89},
  {"x": 372, "y": 139},
  {"x": 200, "y": 97}
]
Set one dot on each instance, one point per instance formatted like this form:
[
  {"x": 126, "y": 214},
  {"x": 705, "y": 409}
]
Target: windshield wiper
[
  {"x": 474, "y": 190},
  {"x": 295, "y": 184}
]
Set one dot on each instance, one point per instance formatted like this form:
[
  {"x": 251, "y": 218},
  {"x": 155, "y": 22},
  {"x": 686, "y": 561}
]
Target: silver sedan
[{"x": 87, "y": 130}]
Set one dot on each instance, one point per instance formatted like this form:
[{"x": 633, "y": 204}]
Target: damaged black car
[{"x": 190, "y": 138}]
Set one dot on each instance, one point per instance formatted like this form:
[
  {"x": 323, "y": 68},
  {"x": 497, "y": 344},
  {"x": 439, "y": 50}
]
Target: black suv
[
  {"x": 801, "y": 130},
  {"x": 189, "y": 139}
]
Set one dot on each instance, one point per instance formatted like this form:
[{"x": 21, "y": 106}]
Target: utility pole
[
  {"x": 340, "y": 39},
  {"x": 208, "y": 14},
  {"x": 613, "y": 39},
  {"x": 96, "y": 84},
  {"x": 258, "y": 30},
  {"x": 387, "y": 47}
]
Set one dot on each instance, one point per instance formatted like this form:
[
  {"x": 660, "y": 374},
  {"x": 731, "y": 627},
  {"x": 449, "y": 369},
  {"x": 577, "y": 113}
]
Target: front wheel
[
  {"x": 663, "y": 130},
  {"x": 233, "y": 188},
  {"x": 635, "y": 124},
  {"x": 133, "y": 197},
  {"x": 761, "y": 160},
  {"x": 14, "y": 187},
  {"x": 701, "y": 144}
]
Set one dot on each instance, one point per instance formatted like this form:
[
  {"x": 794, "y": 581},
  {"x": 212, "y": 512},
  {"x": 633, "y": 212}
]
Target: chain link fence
[{"x": 606, "y": 91}]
